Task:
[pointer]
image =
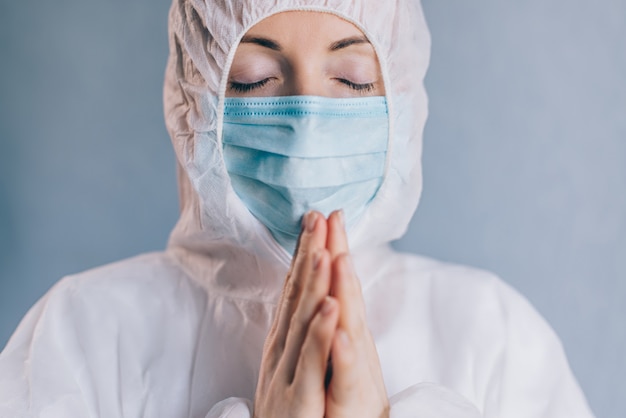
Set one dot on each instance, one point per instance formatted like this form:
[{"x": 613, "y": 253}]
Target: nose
[
  {"x": 307, "y": 88},
  {"x": 306, "y": 80}
]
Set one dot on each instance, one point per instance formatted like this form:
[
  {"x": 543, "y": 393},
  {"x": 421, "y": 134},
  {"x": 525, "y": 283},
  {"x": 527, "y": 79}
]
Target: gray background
[{"x": 525, "y": 156}]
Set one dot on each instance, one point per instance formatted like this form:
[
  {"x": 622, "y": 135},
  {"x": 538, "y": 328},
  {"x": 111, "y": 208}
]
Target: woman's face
[{"x": 305, "y": 53}]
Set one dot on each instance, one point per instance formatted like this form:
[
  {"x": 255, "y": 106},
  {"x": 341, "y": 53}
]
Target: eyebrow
[
  {"x": 335, "y": 46},
  {"x": 344, "y": 43},
  {"x": 266, "y": 42}
]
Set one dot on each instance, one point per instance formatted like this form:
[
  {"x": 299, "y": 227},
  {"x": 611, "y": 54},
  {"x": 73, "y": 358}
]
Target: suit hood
[{"x": 203, "y": 38}]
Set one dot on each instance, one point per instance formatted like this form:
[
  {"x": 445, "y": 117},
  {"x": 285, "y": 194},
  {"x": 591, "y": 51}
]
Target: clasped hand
[{"x": 319, "y": 358}]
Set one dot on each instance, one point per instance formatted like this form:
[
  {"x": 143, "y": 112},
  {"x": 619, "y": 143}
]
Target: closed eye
[
  {"x": 247, "y": 87},
  {"x": 363, "y": 88}
]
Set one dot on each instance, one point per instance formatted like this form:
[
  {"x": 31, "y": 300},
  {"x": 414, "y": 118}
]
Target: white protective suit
[{"x": 180, "y": 333}]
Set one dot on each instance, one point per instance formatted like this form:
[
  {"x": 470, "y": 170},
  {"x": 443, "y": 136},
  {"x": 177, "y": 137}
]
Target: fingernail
[
  {"x": 327, "y": 306},
  {"x": 342, "y": 219},
  {"x": 311, "y": 218}
]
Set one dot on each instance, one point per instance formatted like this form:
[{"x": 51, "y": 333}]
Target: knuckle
[
  {"x": 307, "y": 351},
  {"x": 315, "y": 288},
  {"x": 298, "y": 321},
  {"x": 273, "y": 346},
  {"x": 303, "y": 248},
  {"x": 317, "y": 331},
  {"x": 292, "y": 292}
]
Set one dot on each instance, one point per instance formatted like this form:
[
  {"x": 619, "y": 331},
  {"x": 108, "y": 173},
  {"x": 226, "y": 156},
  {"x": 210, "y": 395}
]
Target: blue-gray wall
[{"x": 525, "y": 156}]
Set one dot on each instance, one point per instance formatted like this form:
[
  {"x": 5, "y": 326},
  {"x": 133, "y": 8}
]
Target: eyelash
[
  {"x": 248, "y": 87},
  {"x": 362, "y": 88},
  {"x": 245, "y": 87}
]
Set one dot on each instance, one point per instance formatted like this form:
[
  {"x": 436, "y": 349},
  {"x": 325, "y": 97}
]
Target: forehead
[{"x": 304, "y": 26}]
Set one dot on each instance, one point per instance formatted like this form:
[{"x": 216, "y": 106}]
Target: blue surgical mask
[{"x": 288, "y": 155}]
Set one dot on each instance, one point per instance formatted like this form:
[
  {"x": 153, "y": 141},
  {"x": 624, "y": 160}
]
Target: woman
[{"x": 275, "y": 108}]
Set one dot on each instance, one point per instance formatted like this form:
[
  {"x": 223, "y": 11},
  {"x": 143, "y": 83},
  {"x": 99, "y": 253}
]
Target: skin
[
  {"x": 310, "y": 327},
  {"x": 305, "y": 53},
  {"x": 320, "y": 323}
]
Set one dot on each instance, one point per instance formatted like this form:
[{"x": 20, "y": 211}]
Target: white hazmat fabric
[{"x": 180, "y": 333}]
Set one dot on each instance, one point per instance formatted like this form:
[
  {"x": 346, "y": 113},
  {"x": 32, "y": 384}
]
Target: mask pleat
[
  {"x": 288, "y": 155},
  {"x": 301, "y": 172}
]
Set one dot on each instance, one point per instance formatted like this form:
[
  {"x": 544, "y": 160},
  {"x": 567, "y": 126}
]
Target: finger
[
  {"x": 345, "y": 364},
  {"x": 337, "y": 240},
  {"x": 313, "y": 295},
  {"x": 312, "y": 364},
  {"x": 312, "y": 238},
  {"x": 346, "y": 287}
]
